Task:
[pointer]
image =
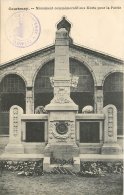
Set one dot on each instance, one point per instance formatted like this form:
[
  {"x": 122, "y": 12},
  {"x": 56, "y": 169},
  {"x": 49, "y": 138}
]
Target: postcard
[{"x": 61, "y": 97}]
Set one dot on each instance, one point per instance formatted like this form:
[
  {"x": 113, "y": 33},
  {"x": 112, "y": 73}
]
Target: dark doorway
[
  {"x": 34, "y": 131},
  {"x": 4, "y": 123},
  {"x": 82, "y": 99},
  {"x": 10, "y": 99},
  {"x": 42, "y": 99},
  {"x": 89, "y": 132}
]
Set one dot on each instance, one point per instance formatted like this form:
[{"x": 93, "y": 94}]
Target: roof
[
  {"x": 97, "y": 53},
  {"x": 52, "y": 47},
  {"x": 27, "y": 56}
]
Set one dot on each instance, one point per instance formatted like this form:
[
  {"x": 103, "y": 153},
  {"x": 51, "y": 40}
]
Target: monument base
[
  {"x": 14, "y": 148},
  {"x": 63, "y": 152},
  {"x": 62, "y": 107},
  {"x": 111, "y": 148},
  {"x": 48, "y": 167}
]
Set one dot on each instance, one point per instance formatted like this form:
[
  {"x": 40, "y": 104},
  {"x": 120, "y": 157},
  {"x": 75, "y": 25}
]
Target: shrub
[
  {"x": 27, "y": 168},
  {"x": 100, "y": 168}
]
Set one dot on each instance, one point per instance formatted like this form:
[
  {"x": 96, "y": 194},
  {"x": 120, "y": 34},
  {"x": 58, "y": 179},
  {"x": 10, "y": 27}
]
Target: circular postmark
[{"x": 23, "y": 29}]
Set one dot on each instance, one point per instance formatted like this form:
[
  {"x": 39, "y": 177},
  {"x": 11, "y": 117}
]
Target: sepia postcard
[{"x": 61, "y": 97}]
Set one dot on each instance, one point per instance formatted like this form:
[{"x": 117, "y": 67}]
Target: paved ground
[{"x": 11, "y": 184}]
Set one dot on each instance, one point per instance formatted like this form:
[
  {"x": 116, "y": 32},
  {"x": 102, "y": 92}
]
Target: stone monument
[
  {"x": 110, "y": 145},
  {"x": 15, "y": 143},
  {"x": 62, "y": 109}
]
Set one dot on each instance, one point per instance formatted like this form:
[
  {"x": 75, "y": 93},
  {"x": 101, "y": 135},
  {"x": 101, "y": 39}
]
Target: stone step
[
  {"x": 34, "y": 148},
  {"x": 21, "y": 157},
  {"x": 90, "y": 149},
  {"x": 100, "y": 157}
]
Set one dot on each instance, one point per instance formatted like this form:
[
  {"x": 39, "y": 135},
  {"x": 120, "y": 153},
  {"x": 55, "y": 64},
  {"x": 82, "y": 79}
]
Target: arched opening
[
  {"x": 83, "y": 94},
  {"x": 12, "y": 92},
  {"x": 43, "y": 91},
  {"x": 113, "y": 94}
]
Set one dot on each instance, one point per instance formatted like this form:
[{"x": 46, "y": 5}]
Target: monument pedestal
[
  {"x": 111, "y": 148},
  {"x": 61, "y": 132},
  {"x": 61, "y": 135},
  {"x": 48, "y": 167},
  {"x": 63, "y": 152},
  {"x": 14, "y": 148}
]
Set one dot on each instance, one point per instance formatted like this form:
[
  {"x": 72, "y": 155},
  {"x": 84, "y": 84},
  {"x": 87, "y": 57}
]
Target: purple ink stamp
[{"x": 23, "y": 29}]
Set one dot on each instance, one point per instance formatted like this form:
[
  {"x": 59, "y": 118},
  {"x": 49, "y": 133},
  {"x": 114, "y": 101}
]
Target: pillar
[
  {"x": 29, "y": 101},
  {"x": 98, "y": 99}
]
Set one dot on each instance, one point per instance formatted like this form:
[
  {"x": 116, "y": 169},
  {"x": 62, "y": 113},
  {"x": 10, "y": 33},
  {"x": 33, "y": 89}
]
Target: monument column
[{"x": 62, "y": 109}]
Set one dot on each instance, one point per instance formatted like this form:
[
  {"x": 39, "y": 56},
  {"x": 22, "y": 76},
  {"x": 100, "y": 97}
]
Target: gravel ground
[{"x": 11, "y": 184}]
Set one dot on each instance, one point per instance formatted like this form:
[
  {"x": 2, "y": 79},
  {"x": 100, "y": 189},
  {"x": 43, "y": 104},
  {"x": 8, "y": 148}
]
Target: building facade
[{"x": 25, "y": 82}]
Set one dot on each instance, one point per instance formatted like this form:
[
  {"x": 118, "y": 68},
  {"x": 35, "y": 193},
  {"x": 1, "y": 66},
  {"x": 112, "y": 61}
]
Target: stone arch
[
  {"x": 13, "y": 72},
  {"x": 47, "y": 60},
  {"x": 87, "y": 66},
  {"x": 12, "y": 92},
  {"x": 84, "y": 93},
  {"x": 43, "y": 91},
  {"x": 80, "y": 100},
  {"x": 71, "y": 57},
  {"x": 106, "y": 75},
  {"x": 113, "y": 94}
]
